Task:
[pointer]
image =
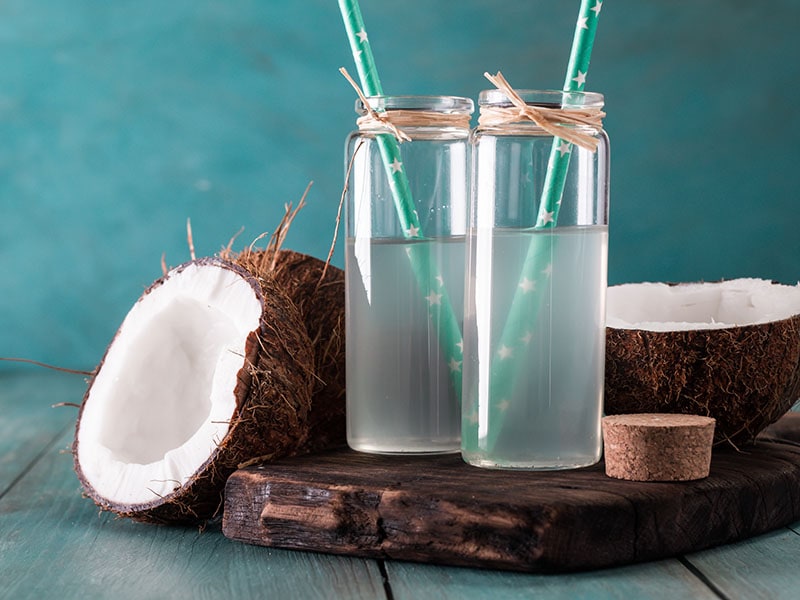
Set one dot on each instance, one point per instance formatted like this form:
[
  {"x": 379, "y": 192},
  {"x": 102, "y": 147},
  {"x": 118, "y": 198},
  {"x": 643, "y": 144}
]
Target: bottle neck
[
  {"x": 408, "y": 117},
  {"x": 575, "y": 117}
]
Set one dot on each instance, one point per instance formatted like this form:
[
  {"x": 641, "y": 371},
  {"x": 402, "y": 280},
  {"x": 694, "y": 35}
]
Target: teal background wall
[{"x": 120, "y": 120}]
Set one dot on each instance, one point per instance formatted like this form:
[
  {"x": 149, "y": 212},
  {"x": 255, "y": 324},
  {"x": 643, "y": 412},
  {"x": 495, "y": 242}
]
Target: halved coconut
[
  {"x": 728, "y": 350},
  {"x": 211, "y": 367}
]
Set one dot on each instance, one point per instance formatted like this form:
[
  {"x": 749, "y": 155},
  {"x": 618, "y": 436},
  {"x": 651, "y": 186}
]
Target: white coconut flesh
[
  {"x": 693, "y": 306},
  {"x": 162, "y": 400}
]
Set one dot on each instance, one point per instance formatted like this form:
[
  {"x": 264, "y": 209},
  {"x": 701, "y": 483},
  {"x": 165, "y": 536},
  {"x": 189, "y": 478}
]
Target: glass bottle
[
  {"x": 406, "y": 217},
  {"x": 534, "y": 322}
]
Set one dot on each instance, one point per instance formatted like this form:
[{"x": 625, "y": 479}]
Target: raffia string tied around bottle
[
  {"x": 393, "y": 121},
  {"x": 559, "y": 122}
]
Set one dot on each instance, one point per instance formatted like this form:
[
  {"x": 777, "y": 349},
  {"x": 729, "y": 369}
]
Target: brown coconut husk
[
  {"x": 317, "y": 290},
  {"x": 744, "y": 377},
  {"x": 273, "y": 401},
  {"x": 318, "y": 294}
]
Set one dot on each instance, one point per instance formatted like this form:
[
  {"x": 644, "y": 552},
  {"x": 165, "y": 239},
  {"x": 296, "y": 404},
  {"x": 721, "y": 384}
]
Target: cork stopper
[{"x": 657, "y": 446}]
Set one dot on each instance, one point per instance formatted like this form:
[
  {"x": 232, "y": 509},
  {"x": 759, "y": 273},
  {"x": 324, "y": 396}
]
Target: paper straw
[
  {"x": 575, "y": 81},
  {"x": 428, "y": 279},
  {"x": 536, "y": 267}
]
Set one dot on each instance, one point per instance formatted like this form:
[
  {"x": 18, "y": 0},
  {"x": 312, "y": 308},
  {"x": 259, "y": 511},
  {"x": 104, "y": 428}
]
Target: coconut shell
[
  {"x": 273, "y": 401},
  {"x": 744, "y": 377},
  {"x": 321, "y": 305}
]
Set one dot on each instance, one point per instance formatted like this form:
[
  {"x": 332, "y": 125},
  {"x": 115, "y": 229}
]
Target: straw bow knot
[
  {"x": 555, "y": 121},
  {"x": 373, "y": 115}
]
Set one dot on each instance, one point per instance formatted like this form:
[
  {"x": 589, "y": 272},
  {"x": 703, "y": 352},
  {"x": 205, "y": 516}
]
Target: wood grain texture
[
  {"x": 761, "y": 568},
  {"x": 439, "y": 510},
  {"x": 54, "y": 544},
  {"x": 28, "y": 422},
  {"x": 663, "y": 580}
]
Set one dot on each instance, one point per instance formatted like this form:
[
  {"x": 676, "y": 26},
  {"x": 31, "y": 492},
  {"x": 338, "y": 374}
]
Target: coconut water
[
  {"x": 533, "y": 390},
  {"x": 400, "y": 392}
]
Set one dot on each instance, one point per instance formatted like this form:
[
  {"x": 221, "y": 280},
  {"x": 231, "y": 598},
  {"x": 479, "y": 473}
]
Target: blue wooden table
[{"x": 55, "y": 544}]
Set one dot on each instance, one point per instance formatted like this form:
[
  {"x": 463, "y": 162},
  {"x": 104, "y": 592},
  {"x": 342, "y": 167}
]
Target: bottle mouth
[
  {"x": 543, "y": 98},
  {"x": 441, "y": 104}
]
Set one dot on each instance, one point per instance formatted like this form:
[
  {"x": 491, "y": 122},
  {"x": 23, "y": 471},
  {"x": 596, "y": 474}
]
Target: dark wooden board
[{"x": 440, "y": 510}]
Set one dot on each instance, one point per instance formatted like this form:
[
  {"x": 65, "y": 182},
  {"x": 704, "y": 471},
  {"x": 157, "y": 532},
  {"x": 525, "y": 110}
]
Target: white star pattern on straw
[
  {"x": 396, "y": 166},
  {"x": 580, "y": 79},
  {"x": 362, "y": 35},
  {"x": 505, "y": 352},
  {"x": 548, "y": 217},
  {"x": 582, "y": 23},
  {"x": 564, "y": 148},
  {"x": 440, "y": 280},
  {"x": 455, "y": 365},
  {"x": 503, "y": 405},
  {"x": 473, "y": 418},
  {"x": 460, "y": 346},
  {"x": 526, "y": 285},
  {"x": 434, "y": 298},
  {"x": 526, "y": 339},
  {"x": 357, "y": 54},
  {"x": 596, "y": 8},
  {"x": 412, "y": 231},
  {"x": 548, "y": 270}
]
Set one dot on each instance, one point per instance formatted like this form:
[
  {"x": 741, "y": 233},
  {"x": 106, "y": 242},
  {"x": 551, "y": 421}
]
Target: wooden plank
[
  {"x": 663, "y": 580},
  {"x": 28, "y": 423},
  {"x": 439, "y": 510},
  {"x": 764, "y": 567},
  {"x": 53, "y": 543}
]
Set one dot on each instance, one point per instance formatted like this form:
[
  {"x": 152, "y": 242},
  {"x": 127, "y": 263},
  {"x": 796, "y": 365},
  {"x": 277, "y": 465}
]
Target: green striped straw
[
  {"x": 536, "y": 268},
  {"x": 428, "y": 279}
]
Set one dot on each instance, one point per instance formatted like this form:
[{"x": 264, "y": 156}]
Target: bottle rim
[
  {"x": 543, "y": 98},
  {"x": 442, "y": 104}
]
